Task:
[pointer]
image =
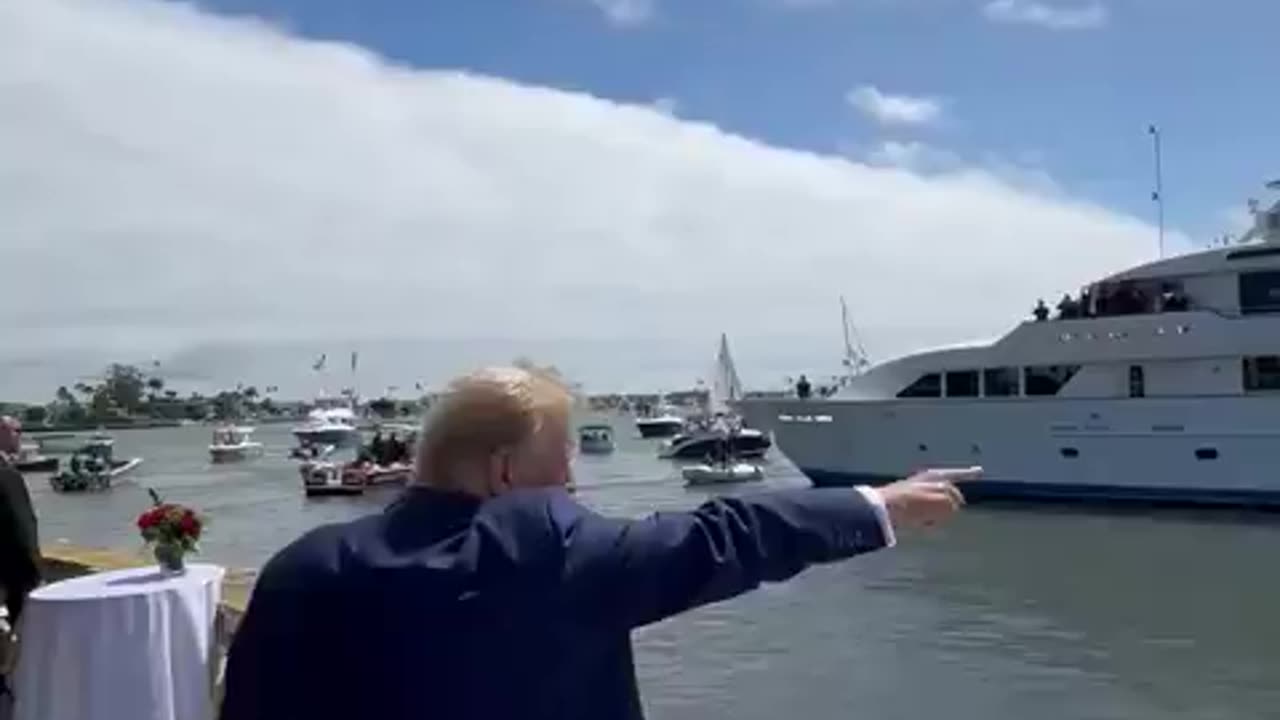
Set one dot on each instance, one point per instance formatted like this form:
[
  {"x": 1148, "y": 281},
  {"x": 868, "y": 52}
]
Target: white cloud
[
  {"x": 911, "y": 155},
  {"x": 888, "y": 109},
  {"x": 182, "y": 186},
  {"x": 666, "y": 105},
  {"x": 626, "y": 12},
  {"x": 1071, "y": 15}
]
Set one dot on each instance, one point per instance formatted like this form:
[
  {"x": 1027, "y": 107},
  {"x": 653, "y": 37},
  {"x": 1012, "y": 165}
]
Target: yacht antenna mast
[{"x": 1157, "y": 195}]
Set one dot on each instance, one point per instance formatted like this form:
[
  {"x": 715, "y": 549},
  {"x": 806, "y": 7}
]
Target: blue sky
[
  {"x": 1073, "y": 102},
  {"x": 607, "y": 185}
]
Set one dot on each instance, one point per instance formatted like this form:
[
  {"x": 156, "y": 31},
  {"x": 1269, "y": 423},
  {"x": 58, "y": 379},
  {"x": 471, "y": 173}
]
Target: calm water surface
[{"x": 1007, "y": 613}]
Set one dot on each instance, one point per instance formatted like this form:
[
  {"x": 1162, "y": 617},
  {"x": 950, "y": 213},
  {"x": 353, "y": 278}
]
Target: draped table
[{"x": 135, "y": 644}]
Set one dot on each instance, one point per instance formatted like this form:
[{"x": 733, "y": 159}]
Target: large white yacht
[
  {"x": 332, "y": 421},
  {"x": 1161, "y": 385}
]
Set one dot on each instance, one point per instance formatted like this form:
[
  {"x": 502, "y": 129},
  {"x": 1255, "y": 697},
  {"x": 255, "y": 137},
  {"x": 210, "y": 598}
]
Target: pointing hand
[{"x": 927, "y": 497}]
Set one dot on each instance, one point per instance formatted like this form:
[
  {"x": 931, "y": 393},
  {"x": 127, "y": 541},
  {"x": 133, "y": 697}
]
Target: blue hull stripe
[{"x": 1080, "y": 493}]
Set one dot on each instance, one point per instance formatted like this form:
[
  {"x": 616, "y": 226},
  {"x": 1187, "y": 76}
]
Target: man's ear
[{"x": 499, "y": 475}]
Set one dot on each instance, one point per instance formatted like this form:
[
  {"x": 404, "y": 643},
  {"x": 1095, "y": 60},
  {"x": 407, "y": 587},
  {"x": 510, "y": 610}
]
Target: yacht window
[
  {"x": 1137, "y": 382},
  {"x": 1001, "y": 382},
  {"x": 962, "y": 383},
  {"x": 1260, "y": 292},
  {"x": 1262, "y": 372},
  {"x": 1048, "y": 379},
  {"x": 929, "y": 385}
]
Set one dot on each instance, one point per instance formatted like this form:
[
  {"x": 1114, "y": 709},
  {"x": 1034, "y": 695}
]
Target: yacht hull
[
  {"x": 1158, "y": 451},
  {"x": 338, "y": 437},
  {"x": 659, "y": 428}
]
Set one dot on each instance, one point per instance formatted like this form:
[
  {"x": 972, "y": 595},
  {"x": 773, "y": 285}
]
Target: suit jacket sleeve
[
  {"x": 640, "y": 571},
  {"x": 19, "y": 539}
]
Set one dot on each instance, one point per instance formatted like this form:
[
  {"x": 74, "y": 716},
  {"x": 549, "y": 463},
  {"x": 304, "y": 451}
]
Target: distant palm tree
[{"x": 64, "y": 396}]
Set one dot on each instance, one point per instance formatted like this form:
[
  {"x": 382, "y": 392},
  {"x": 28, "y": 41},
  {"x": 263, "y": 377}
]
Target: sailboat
[
  {"x": 721, "y": 426},
  {"x": 855, "y": 359}
]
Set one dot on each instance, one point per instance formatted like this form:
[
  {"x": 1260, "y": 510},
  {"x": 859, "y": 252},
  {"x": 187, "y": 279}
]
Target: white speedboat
[
  {"x": 331, "y": 422},
  {"x": 663, "y": 422},
  {"x": 30, "y": 459},
  {"x": 1159, "y": 384},
  {"x": 231, "y": 443},
  {"x": 721, "y": 474},
  {"x": 57, "y": 443},
  {"x": 595, "y": 439}
]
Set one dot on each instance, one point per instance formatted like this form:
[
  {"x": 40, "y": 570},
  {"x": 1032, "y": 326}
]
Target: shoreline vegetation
[{"x": 128, "y": 397}]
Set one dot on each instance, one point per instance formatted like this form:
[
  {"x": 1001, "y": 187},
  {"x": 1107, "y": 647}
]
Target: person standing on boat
[
  {"x": 19, "y": 540},
  {"x": 803, "y": 388},
  {"x": 487, "y": 591},
  {"x": 377, "y": 448}
]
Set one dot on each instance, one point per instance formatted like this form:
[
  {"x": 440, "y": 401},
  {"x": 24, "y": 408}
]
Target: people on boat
[
  {"x": 1068, "y": 308},
  {"x": 377, "y": 447},
  {"x": 803, "y": 388},
  {"x": 394, "y": 451},
  {"x": 1041, "y": 311}
]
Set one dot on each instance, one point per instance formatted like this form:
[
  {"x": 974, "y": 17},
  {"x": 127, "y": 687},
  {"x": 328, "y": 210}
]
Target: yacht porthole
[
  {"x": 1207, "y": 454},
  {"x": 1069, "y": 452},
  {"x": 922, "y": 447}
]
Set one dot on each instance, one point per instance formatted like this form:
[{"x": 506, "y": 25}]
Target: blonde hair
[{"x": 484, "y": 412}]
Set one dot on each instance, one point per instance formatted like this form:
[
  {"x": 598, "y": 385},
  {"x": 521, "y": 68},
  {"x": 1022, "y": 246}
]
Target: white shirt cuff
[{"x": 882, "y": 513}]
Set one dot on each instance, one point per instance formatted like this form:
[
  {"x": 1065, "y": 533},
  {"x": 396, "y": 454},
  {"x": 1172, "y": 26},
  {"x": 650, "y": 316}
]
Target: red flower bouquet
[{"x": 173, "y": 530}]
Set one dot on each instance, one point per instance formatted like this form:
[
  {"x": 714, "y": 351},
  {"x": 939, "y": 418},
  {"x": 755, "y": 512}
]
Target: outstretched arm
[{"x": 641, "y": 571}]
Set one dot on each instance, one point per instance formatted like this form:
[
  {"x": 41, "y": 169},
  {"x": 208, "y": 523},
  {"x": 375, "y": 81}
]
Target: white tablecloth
[{"x": 122, "y": 645}]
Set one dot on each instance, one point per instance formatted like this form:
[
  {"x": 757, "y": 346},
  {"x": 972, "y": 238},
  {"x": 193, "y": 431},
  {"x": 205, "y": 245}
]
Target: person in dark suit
[
  {"x": 487, "y": 591},
  {"x": 19, "y": 546},
  {"x": 19, "y": 540}
]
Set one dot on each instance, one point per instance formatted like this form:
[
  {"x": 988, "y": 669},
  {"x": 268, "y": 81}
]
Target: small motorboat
[
  {"x": 57, "y": 443},
  {"x": 231, "y": 443},
  {"x": 372, "y": 475},
  {"x": 325, "y": 477},
  {"x": 30, "y": 460},
  {"x": 595, "y": 440},
  {"x": 329, "y": 477},
  {"x": 721, "y": 473},
  {"x": 311, "y": 451},
  {"x": 743, "y": 443},
  {"x": 93, "y": 467},
  {"x": 661, "y": 422}
]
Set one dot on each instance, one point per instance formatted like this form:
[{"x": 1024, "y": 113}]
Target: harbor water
[{"x": 1010, "y": 612}]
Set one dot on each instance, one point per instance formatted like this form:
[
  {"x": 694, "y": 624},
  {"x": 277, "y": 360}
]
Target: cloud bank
[{"x": 172, "y": 181}]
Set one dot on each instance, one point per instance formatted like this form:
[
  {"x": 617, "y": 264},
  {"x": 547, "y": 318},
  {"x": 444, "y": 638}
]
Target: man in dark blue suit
[{"x": 486, "y": 591}]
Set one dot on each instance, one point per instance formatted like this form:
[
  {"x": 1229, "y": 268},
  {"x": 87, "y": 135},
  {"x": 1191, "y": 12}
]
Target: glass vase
[{"x": 170, "y": 556}]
